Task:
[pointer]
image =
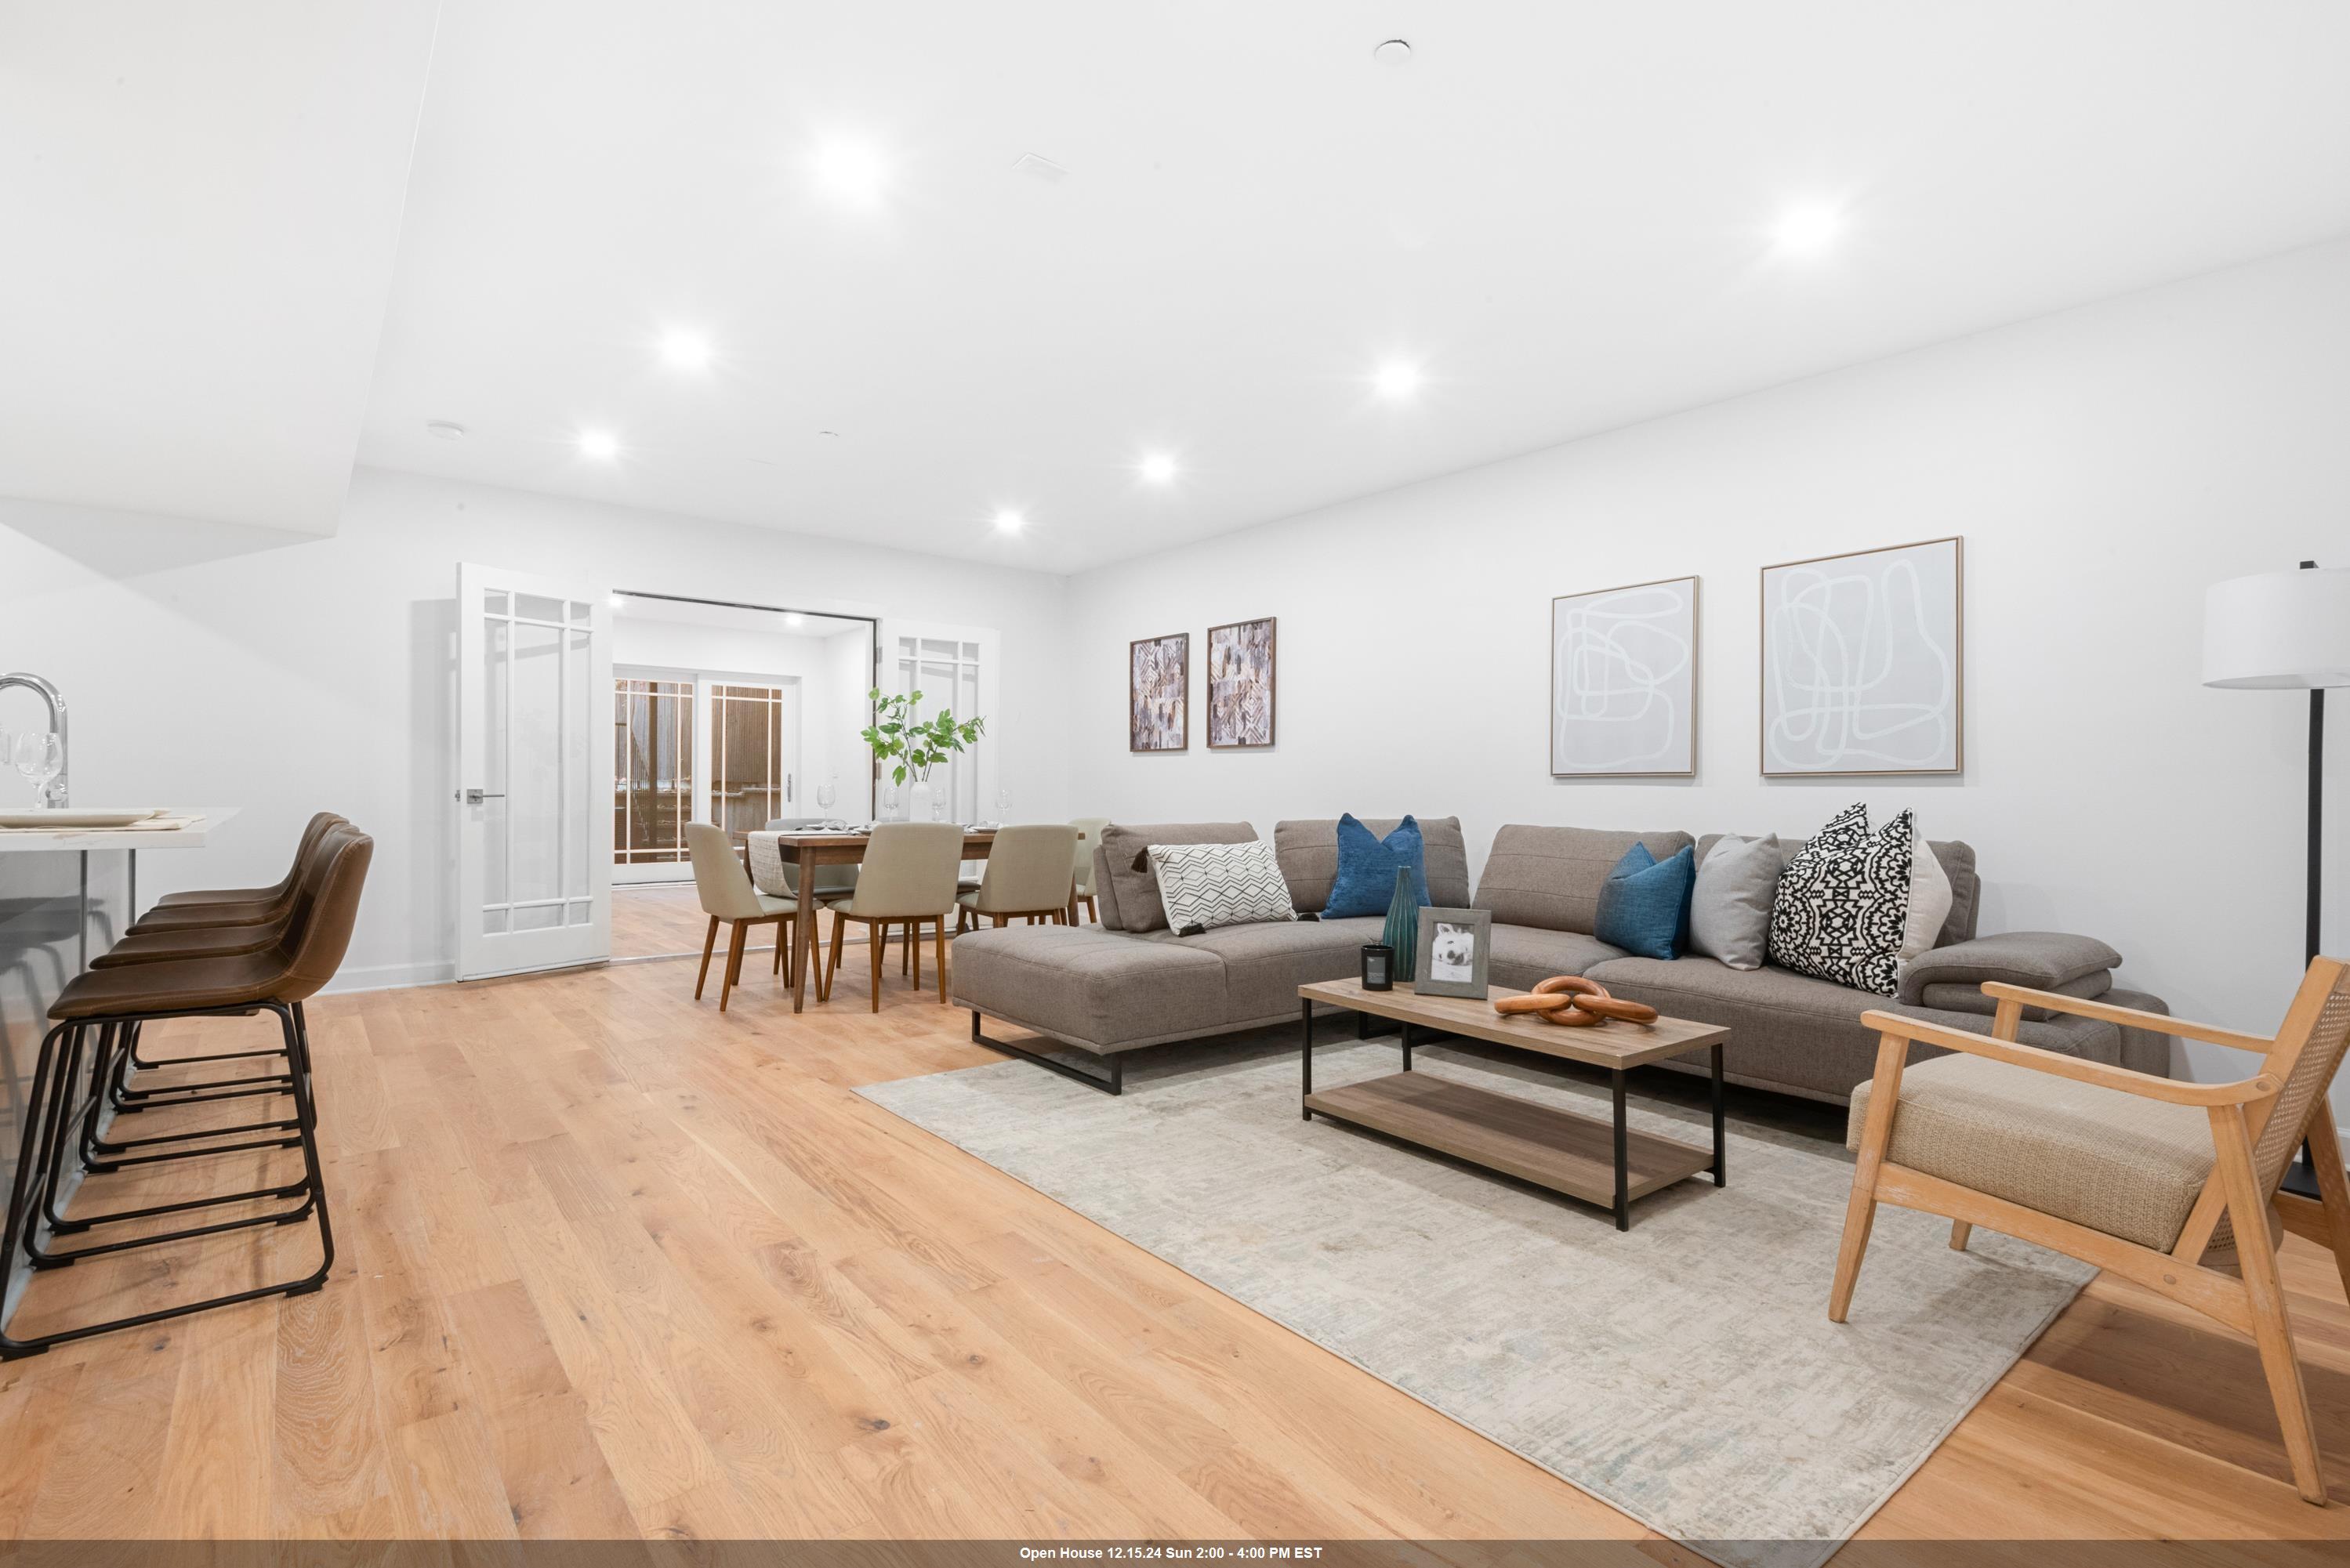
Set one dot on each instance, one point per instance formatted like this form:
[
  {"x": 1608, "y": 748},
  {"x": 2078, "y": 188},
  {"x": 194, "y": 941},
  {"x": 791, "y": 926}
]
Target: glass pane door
[
  {"x": 534, "y": 858},
  {"x": 751, "y": 784},
  {"x": 652, "y": 769}
]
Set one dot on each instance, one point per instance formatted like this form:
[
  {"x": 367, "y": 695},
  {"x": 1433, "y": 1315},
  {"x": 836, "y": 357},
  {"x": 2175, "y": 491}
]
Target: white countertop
[{"x": 17, "y": 840}]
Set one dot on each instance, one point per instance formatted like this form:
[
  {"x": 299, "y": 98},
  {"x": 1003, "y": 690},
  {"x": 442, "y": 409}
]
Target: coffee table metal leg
[
  {"x": 1720, "y": 1142},
  {"x": 1622, "y": 1173},
  {"x": 1306, "y": 1060},
  {"x": 1407, "y": 1047}
]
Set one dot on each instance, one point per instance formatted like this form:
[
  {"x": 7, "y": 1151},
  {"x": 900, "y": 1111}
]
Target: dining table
[{"x": 815, "y": 847}]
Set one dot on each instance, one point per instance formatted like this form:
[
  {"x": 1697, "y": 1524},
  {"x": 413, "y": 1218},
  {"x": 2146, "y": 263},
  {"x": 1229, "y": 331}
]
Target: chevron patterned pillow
[{"x": 1205, "y": 885}]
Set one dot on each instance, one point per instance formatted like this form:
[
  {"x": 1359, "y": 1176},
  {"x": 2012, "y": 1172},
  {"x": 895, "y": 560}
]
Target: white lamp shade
[{"x": 2278, "y": 628}]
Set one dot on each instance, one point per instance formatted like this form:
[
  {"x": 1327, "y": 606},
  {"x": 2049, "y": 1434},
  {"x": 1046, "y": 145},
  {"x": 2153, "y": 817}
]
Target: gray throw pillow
[{"x": 1729, "y": 910}]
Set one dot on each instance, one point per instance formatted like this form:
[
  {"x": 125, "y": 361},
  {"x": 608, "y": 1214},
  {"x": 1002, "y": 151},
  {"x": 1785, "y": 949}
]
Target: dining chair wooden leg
[
  {"x": 1093, "y": 912},
  {"x": 876, "y": 933},
  {"x": 914, "y": 946},
  {"x": 779, "y": 947},
  {"x": 839, "y": 929},
  {"x": 1860, "y": 1209},
  {"x": 708, "y": 942},
  {"x": 733, "y": 975},
  {"x": 1001, "y": 921},
  {"x": 905, "y": 942},
  {"x": 1960, "y": 1230},
  {"x": 942, "y": 960},
  {"x": 2248, "y": 1216}
]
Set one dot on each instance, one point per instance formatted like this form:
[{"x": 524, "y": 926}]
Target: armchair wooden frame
[{"x": 2252, "y": 1300}]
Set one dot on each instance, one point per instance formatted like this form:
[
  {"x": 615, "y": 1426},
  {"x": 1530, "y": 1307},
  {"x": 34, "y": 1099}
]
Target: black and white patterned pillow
[
  {"x": 1844, "y": 900},
  {"x": 1205, "y": 885}
]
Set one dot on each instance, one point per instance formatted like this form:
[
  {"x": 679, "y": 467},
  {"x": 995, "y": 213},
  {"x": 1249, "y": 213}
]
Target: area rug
[{"x": 1684, "y": 1372}]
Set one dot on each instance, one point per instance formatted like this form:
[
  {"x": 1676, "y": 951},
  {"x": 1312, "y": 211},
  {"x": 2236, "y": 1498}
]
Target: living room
[{"x": 1745, "y": 597}]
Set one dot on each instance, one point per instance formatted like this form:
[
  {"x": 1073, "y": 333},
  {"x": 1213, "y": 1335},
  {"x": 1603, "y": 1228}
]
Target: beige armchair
[
  {"x": 1089, "y": 833},
  {"x": 2170, "y": 1185},
  {"x": 909, "y": 878},
  {"x": 726, "y": 893},
  {"x": 1028, "y": 876}
]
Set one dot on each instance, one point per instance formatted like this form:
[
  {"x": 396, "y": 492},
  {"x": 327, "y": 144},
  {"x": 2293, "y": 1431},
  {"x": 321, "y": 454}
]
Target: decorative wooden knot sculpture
[{"x": 1571, "y": 1001}]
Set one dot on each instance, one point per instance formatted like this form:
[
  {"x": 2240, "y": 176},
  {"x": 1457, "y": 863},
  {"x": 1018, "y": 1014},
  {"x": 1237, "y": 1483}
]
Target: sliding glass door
[{"x": 712, "y": 746}]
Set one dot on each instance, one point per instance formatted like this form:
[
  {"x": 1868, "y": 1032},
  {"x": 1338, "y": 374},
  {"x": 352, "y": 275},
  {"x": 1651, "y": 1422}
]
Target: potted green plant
[{"x": 912, "y": 746}]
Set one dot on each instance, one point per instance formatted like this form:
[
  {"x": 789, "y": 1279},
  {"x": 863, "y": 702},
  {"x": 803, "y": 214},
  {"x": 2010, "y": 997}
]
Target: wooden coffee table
[{"x": 1564, "y": 1151}]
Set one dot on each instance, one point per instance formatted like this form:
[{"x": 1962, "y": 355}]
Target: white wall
[
  {"x": 208, "y": 664},
  {"x": 2104, "y": 466}
]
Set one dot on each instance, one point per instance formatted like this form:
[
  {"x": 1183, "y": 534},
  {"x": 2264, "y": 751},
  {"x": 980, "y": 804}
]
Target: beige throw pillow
[{"x": 1929, "y": 902}]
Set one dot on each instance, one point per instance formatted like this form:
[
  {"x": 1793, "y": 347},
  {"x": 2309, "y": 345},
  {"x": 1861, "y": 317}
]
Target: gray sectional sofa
[{"x": 1129, "y": 982}]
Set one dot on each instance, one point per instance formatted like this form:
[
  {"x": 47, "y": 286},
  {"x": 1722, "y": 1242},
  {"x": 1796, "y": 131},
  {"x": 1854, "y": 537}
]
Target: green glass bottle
[{"x": 1403, "y": 926}]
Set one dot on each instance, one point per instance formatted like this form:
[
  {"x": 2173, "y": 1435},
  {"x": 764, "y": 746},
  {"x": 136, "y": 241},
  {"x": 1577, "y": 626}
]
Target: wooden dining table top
[{"x": 839, "y": 847}]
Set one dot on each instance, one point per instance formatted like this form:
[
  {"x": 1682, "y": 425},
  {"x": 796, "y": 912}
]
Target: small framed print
[
  {"x": 1453, "y": 952},
  {"x": 1159, "y": 694},
  {"x": 1240, "y": 685}
]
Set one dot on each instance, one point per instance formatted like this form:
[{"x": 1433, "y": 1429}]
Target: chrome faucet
[{"x": 55, "y": 794}]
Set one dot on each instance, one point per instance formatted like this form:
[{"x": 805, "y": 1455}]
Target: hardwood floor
[{"x": 609, "y": 1264}]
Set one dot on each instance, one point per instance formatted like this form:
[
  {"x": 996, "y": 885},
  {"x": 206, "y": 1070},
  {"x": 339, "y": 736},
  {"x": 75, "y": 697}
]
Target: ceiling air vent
[{"x": 1042, "y": 169}]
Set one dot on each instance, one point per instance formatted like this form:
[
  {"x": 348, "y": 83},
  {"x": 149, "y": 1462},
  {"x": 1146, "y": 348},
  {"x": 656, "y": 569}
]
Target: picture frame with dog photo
[{"x": 1455, "y": 951}]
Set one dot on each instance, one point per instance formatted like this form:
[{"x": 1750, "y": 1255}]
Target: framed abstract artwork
[
  {"x": 1240, "y": 684},
  {"x": 1159, "y": 694},
  {"x": 1862, "y": 662},
  {"x": 1622, "y": 681}
]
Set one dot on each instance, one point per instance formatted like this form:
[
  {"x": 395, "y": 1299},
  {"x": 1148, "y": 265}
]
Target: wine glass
[
  {"x": 1003, "y": 805},
  {"x": 889, "y": 803},
  {"x": 825, "y": 793},
  {"x": 40, "y": 757}
]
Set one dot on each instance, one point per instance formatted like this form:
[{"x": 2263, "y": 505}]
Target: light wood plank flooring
[{"x": 609, "y": 1264}]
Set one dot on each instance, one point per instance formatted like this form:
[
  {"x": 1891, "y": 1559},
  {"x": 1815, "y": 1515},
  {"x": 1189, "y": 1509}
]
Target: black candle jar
[{"x": 1378, "y": 967}]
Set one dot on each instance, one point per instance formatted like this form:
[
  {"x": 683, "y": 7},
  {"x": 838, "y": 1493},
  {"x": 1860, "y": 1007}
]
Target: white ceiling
[
  {"x": 199, "y": 214},
  {"x": 1561, "y": 210}
]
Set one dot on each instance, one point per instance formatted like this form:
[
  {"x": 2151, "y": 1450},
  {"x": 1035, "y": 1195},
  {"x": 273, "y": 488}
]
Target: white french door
[{"x": 533, "y": 785}]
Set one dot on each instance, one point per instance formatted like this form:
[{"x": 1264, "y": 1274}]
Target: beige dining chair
[
  {"x": 727, "y": 895},
  {"x": 1089, "y": 832},
  {"x": 1027, "y": 875},
  {"x": 2170, "y": 1185},
  {"x": 907, "y": 878}
]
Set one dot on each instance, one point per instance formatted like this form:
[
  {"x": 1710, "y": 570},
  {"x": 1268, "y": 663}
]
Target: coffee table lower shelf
[{"x": 1560, "y": 1150}]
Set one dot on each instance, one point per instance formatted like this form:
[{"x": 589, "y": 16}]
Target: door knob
[{"x": 476, "y": 796}]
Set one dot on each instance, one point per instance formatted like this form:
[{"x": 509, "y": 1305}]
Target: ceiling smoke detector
[{"x": 1394, "y": 52}]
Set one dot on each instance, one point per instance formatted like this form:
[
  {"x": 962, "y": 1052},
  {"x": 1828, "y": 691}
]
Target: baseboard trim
[{"x": 391, "y": 977}]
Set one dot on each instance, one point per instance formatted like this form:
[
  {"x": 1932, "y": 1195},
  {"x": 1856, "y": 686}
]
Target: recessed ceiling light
[
  {"x": 1009, "y": 522},
  {"x": 853, "y": 170},
  {"x": 447, "y": 430},
  {"x": 794, "y": 618},
  {"x": 682, "y": 350},
  {"x": 618, "y": 599},
  {"x": 1809, "y": 228},
  {"x": 1158, "y": 468},
  {"x": 1398, "y": 379},
  {"x": 1394, "y": 52},
  {"x": 601, "y": 445}
]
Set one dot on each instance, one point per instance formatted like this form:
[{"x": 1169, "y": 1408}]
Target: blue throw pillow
[
  {"x": 1644, "y": 904},
  {"x": 1368, "y": 865}
]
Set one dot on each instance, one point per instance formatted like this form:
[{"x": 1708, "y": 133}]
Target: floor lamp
[{"x": 2287, "y": 631}]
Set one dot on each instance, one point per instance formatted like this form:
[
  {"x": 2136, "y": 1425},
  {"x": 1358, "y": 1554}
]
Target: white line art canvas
[
  {"x": 1623, "y": 680},
  {"x": 1861, "y": 662}
]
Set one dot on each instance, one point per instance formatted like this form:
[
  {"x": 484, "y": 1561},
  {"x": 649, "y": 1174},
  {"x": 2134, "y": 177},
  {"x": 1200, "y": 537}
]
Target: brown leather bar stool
[
  {"x": 234, "y": 905},
  {"x": 176, "y": 935},
  {"x": 126, "y": 1098},
  {"x": 90, "y": 1017}
]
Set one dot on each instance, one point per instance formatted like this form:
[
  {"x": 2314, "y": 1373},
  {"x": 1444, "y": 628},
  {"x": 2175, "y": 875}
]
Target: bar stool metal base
[{"x": 60, "y": 1120}]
